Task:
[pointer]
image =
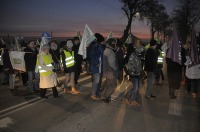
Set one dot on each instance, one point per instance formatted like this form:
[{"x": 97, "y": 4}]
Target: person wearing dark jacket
[
  {"x": 97, "y": 65},
  {"x": 30, "y": 58},
  {"x": 54, "y": 51},
  {"x": 150, "y": 67},
  {"x": 78, "y": 59},
  {"x": 67, "y": 57},
  {"x": 9, "y": 69}
]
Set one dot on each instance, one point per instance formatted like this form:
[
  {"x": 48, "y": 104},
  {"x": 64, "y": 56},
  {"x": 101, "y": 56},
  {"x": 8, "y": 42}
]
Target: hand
[{"x": 54, "y": 70}]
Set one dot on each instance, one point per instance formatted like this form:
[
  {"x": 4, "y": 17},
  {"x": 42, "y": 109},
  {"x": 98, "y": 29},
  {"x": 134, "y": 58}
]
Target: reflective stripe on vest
[
  {"x": 47, "y": 61},
  {"x": 69, "y": 58}
]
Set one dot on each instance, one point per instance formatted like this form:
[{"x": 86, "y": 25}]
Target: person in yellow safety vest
[
  {"x": 68, "y": 62},
  {"x": 48, "y": 78},
  {"x": 159, "y": 77}
]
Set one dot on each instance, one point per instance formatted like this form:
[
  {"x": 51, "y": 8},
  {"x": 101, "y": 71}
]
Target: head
[
  {"x": 69, "y": 44},
  {"x": 76, "y": 40},
  {"x": 45, "y": 48},
  {"x": 53, "y": 44},
  {"x": 111, "y": 42},
  {"x": 153, "y": 43},
  {"x": 10, "y": 47},
  {"x": 99, "y": 37},
  {"x": 31, "y": 44}
]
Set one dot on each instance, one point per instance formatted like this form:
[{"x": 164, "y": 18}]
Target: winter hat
[
  {"x": 153, "y": 42},
  {"x": 69, "y": 43},
  {"x": 99, "y": 37},
  {"x": 110, "y": 41},
  {"x": 45, "y": 46}
]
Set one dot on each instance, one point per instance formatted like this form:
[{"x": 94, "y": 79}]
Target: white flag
[
  {"x": 3, "y": 41},
  {"x": 17, "y": 60},
  {"x": 37, "y": 42},
  {"x": 78, "y": 34},
  {"x": 43, "y": 42},
  {"x": 87, "y": 38},
  {"x": 17, "y": 44},
  {"x": 109, "y": 36},
  {"x": 129, "y": 39}
]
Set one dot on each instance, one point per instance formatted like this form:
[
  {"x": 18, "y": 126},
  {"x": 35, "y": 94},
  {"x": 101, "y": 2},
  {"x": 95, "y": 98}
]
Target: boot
[{"x": 74, "y": 91}]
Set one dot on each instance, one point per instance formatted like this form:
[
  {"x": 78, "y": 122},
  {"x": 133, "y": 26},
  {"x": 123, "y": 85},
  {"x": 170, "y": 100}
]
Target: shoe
[
  {"x": 66, "y": 90},
  {"x": 94, "y": 97},
  {"x": 74, "y": 92},
  {"x": 153, "y": 96},
  {"x": 173, "y": 97},
  {"x": 134, "y": 103},
  {"x": 44, "y": 97},
  {"x": 194, "y": 95},
  {"x": 146, "y": 97},
  {"x": 106, "y": 101},
  {"x": 57, "y": 97},
  {"x": 126, "y": 101}
]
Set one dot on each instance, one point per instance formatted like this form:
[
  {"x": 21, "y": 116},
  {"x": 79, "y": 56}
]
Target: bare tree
[
  {"x": 186, "y": 16},
  {"x": 150, "y": 9}
]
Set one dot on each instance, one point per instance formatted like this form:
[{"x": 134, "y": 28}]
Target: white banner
[
  {"x": 87, "y": 38},
  {"x": 109, "y": 36},
  {"x": 17, "y": 60}
]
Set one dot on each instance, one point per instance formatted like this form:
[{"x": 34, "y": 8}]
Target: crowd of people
[{"x": 108, "y": 59}]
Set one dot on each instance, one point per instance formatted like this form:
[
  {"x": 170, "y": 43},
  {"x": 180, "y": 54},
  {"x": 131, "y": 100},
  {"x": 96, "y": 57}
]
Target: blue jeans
[
  {"x": 96, "y": 83},
  {"x": 33, "y": 81},
  {"x": 133, "y": 94},
  {"x": 150, "y": 83}
]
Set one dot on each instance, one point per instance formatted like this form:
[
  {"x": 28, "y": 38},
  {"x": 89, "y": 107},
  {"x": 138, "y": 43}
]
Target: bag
[{"x": 134, "y": 65}]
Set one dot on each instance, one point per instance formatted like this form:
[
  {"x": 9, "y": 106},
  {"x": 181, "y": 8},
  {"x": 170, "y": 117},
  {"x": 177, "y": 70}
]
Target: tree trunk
[{"x": 126, "y": 31}]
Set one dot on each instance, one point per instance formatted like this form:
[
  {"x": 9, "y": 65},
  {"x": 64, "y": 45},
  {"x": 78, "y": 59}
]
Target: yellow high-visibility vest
[
  {"x": 160, "y": 58},
  {"x": 69, "y": 58},
  {"x": 48, "y": 62}
]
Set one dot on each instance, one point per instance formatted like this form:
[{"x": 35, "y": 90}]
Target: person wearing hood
[
  {"x": 47, "y": 71},
  {"x": 68, "y": 61},
  {"x": 109, "y": 70},
  {"x": 30, "y": 58}
]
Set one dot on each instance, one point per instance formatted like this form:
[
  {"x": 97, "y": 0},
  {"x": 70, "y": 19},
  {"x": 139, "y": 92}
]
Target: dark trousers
[
  {"x": 44, "y": 90},
  {"x": 24, "y": 76},
  {"x": 174, "y": 81},
  {"x": 78, "y": 71}
]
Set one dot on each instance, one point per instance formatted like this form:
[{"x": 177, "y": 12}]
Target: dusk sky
[{"x": 65, "y": 17}]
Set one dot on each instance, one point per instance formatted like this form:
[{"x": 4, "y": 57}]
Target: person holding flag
[{"x": 174, "y": 64}]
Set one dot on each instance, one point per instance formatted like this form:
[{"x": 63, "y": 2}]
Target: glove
[{"x": 54, "y": 70}]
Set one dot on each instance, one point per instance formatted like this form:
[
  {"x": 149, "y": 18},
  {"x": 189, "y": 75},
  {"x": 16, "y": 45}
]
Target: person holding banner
[
  {"x": 67, "y": 57},
  {"x": 30, "y": 58},
  {"x": 48, "y": 78},
  {"x": 9, "y": 69}
]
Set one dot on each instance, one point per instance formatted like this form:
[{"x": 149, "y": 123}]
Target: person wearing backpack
[{"x": 133, "y": 96}]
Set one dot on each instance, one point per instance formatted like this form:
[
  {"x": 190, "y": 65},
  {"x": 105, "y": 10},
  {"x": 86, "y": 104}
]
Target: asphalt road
[{"x": 78, "y": 113}]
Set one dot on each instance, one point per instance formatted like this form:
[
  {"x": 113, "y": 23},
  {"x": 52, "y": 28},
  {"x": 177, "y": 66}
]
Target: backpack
[{"x": 134, "y": 65}]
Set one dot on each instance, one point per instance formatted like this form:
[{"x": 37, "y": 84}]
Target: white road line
[
  {"x": 5, "y": 122},
  {"x": 28, "y": 103}
]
